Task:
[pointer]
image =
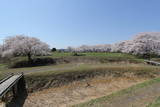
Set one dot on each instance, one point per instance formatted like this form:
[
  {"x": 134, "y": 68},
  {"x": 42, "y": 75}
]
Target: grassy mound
[
  {"x": 44, "y": 80},
  {"x": 59, "y": 58},
  {"x": 33, "y": 63}
]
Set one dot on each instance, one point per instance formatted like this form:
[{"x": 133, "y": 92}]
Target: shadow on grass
[{"x": 33, "y": 63}]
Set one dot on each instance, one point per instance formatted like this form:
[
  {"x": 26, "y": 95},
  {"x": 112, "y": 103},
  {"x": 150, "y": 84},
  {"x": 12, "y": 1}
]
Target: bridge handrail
[
  {"x": 10, "y": 86},
  {"x": 153, "y": 62},
  {"x": 1, "y": 81}
]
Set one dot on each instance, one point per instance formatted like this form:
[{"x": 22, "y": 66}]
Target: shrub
[{"x": 34, "y": 62}]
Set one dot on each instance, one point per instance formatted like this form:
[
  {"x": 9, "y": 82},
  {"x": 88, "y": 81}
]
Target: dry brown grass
[
  {"x": 78, "y": 92},
  {"x": 43, "y": 80}
]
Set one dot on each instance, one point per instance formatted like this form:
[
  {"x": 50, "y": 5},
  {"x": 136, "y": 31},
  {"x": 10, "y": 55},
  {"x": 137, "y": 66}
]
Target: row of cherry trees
[
  {"x": 95, "y": 48},
  {"x": 142, "y": 43},
  {"x": 21, "y": 45}
]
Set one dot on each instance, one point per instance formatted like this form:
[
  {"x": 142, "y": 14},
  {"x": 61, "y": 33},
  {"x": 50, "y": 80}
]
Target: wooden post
[{"x": 13, "y": 90}]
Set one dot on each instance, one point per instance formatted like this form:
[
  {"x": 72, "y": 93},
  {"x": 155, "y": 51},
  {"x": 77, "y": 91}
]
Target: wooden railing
[
  {"x": 9, "y": 83},
  {"x": 152, "y": 62}
]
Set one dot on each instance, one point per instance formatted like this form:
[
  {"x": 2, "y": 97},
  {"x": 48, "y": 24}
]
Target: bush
[
  {"x": 78, "y": 54},
  {"x": 53, "y": 49},
  {"x": 148, "y": 55},
  {"x": 33, "y": 63}
]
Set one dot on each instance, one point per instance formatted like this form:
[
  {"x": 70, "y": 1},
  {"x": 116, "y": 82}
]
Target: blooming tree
[
  {"x": 24, "y": 45},
  {"x": 94, "y": 48},
  {"x": 141, "y": 44}
]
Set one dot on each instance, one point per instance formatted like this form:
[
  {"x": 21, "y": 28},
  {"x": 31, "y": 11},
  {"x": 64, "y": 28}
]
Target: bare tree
[{"x": 24, "y": 45}]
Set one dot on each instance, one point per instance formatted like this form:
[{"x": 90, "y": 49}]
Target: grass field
[
  {"x": 108, "y": 65},
  {"x": 120, "y": 56},
  {"x": 69, "y": 57},
  {"x": 54, "y": 78},
  {"x": 104, "y": 54},
  {"x": 66, "y": 57},
  {"x": 87, "y": 54},
  {"x": 84, "y": 67}
]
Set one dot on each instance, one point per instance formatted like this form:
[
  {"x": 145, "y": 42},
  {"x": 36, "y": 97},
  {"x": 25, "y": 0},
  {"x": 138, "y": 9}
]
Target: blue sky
[{"x": 63, "y": 23}]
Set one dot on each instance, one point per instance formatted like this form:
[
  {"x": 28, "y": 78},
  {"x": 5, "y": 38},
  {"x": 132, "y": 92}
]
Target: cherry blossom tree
[
  {"x": 141, "y": 44},
  {"x": 94, "y": 48},
  {"x": 22, "y": 45}
]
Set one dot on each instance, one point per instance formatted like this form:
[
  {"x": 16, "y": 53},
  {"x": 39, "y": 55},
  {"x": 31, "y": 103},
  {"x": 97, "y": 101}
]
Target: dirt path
[
  {"x": 79, "y": 92},
  {"x": 60, "y": 67},
  {"x": 47, "y": 69},
  {"x": 139, "y": 98}
]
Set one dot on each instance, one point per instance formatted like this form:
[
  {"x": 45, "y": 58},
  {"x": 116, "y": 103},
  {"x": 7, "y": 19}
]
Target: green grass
[
  {"x": 109, "y": 54},
  {"x": 66, "y": 73},
  {"x": 89, "y": 57},
  {"x": 100, "y": 56},
  {"x": 3, "y": 66},
  {"x": 93, "y": 54},
  {"x": 156, "y": 103},
  {"x": 138, "y": 69},
  {"x": 97, "y": 102},
  {"x": 97, "y": 54},
  {"x": 121, "y": 68},
  {"x": 61, "y": 54}
]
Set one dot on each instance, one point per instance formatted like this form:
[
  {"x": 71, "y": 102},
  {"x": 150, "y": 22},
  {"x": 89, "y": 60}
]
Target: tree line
[{"x": 146, "y": 43}]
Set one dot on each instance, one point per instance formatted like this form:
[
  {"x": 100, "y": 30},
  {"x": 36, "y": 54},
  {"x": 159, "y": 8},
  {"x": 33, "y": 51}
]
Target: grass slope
[
  {"x": 156, "y": 103},
  {"x": 97, "y": 102},
  {"x": 54, "y": 78},
  {"x": 67, "y": 57},
  {"x": 108, "y": 55},
  {"x": 65, "y": 73}
]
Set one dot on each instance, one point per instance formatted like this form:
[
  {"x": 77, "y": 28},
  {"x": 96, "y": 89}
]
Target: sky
[{"x": 63, "y": 23}]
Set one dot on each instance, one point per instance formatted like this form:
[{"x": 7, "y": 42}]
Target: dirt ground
[
  {"x": 2, "y": 104},
  {"x": 79, "y": 92}
]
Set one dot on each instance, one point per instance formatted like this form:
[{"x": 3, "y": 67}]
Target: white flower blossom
[
  {"x": 24, "y": 45},
  {"x": 142, "y": 43}
]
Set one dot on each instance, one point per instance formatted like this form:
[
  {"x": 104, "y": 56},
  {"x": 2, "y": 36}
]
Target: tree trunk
[{"x": 29, "y": 57}]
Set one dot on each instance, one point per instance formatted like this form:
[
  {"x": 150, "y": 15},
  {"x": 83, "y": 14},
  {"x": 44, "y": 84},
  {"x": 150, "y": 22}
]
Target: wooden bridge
[
  {"x": 12, "y": 83},
  {"x": 152, "y": 62}
]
